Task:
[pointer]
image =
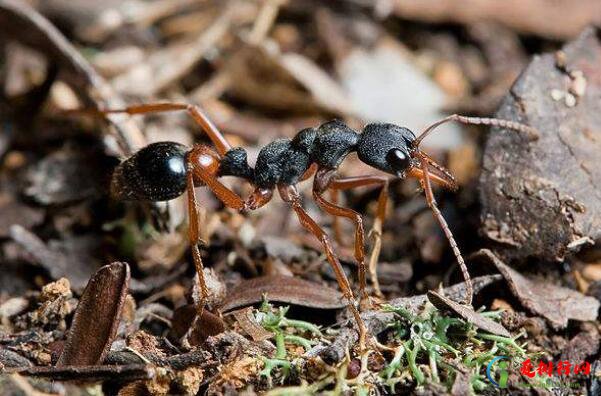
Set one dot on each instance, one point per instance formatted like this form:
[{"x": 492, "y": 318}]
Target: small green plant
[
  {"x": 421, "y": 348},
  {"x": 286, "y": 332},
  {"x": 432, "y": 346}
]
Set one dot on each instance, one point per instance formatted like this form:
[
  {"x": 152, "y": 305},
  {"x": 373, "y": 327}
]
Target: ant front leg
[
  {"x": 194, "y": 238},
  {"x": 291, "y": 196},
  {"x": 427, "y": 185},
  {"x": 195, "y": 112},
  {"x": 376, "y": 230},
  {"x": 203, "y": 165}
]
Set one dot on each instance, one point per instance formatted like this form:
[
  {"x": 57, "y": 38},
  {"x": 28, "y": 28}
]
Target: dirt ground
[{"x": 99, "y": 295}]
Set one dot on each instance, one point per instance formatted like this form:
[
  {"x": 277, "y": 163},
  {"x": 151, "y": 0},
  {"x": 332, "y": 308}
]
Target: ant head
[
  {"x": 386, "y": 147},
  {"x": 155, "y": 173},
  {"x": 394, "y": 149}
]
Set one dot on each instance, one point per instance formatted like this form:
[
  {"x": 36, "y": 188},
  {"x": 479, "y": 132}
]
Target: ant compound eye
[{"x": 398, "y": 159}]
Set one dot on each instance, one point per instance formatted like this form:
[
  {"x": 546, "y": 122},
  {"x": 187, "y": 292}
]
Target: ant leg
[
  {"x": 193, "y": 235},
  {"x": 333, "y": 198},
  {"x": 290, "y": 195},
  {"x": 323, "y": 179},
  {"x": 445, "y": 227},
  {"x": 376, "y": 235},
  {"x": 309, "y": 172},
  {"x": 376, "y": 230},
  {"x": 529, "y": 131},
  {"x": 203, "y": 164},
  {"x": 195, "y": 112},
  {"x": 336, "y": 220}
]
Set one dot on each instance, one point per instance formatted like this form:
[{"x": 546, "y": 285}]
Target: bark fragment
[{"x": 542, "y": 199}]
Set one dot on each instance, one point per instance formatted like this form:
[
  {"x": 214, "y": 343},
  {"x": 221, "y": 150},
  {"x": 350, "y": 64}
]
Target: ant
[{"x": 165, "y": 170}]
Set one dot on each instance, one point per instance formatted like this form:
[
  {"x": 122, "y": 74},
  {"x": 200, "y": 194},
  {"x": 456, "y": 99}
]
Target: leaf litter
[{"x": 276, "y": 323}]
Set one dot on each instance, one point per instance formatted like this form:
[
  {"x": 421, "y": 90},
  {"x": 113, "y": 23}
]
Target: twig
[{"x": 17, "y": 17}]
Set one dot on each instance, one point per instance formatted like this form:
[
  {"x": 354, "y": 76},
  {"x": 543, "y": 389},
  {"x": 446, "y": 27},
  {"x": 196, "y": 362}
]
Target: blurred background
[{"x": 261, "y": 70}]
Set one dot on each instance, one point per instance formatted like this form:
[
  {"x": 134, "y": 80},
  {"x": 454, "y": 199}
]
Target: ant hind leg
[
  {"x": 195, "y": 112},
  {"x": 193, "y": 236}
]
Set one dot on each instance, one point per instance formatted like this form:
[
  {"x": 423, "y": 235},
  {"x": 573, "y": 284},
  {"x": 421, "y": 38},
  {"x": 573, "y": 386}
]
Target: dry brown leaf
[
  {"x": 555, "y": 303},
  {"x": 282, "y": 289},
  {"x": 97, "y": 317},
  {"x": 467, "y": 313}
]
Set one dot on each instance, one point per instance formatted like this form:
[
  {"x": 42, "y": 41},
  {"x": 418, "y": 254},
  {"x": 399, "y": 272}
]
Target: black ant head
[
  {"x": 393, "y": 149},
  {"x": 386, "y": 147},
  {"x": 155, "y": 173}
]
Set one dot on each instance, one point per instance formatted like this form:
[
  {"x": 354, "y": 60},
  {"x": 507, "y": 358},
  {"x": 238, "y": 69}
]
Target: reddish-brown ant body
[{"x": 165, "y": 170}]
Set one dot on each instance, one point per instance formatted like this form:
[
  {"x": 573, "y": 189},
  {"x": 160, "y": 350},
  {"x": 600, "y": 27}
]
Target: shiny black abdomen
[{"x": 155, "y": 173}]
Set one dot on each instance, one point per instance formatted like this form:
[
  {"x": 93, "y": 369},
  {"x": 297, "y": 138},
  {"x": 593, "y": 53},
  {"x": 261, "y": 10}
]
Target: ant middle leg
[
  {"x": 195, "y": 112},
  {"x": 376, "y": 234},
  {"x": 334, "y": 199},
  {"x": 291, "y": 196},
  {"x": 323, "y": 179}
]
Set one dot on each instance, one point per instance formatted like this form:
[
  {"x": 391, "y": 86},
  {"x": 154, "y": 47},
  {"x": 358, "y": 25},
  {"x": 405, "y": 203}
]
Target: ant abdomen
[{"x": 155, "y": 173}]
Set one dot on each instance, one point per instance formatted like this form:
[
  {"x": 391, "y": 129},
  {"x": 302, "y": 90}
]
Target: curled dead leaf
[
  {"x": 284, "y": 289},
  {"x": 467, "y": 313},
  {"x": 96, "y": 317}
]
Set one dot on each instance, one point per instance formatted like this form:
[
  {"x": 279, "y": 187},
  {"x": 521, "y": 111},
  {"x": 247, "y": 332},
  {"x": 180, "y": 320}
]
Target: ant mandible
[{"x": 165, "y": 170}]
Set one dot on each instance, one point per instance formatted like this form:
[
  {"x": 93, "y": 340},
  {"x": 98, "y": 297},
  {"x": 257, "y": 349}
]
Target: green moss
[{"x": 425, "y": 348}]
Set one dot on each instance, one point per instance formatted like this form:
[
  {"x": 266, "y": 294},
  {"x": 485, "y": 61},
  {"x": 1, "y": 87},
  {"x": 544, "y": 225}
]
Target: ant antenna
[{"x": 529, "y": 131}]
